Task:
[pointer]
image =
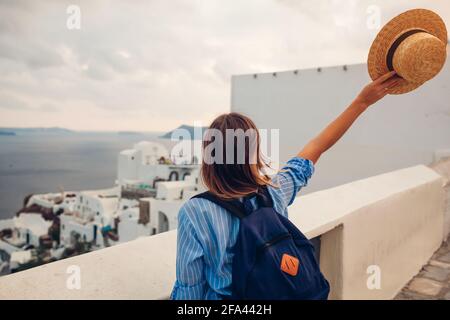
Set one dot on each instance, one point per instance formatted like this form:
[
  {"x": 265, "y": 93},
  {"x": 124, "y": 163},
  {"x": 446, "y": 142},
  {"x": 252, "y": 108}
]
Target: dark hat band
[{"x": 396, "y": 44}]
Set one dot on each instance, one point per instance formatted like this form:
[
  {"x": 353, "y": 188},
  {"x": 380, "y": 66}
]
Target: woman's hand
[{"x": 377, "y": 89}]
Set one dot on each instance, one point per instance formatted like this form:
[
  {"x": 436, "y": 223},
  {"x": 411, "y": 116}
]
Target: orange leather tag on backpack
[{"x": 289, "y": 264}]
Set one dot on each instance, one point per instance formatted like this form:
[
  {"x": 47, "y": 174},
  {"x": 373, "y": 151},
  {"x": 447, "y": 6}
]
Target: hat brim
[{"x": 417, "y": 19}]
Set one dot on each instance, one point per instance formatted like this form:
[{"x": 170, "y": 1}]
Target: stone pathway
[{"x": 433, "y": 281}]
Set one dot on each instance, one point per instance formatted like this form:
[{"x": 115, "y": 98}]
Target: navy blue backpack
[{"x": 272, "y": 259}]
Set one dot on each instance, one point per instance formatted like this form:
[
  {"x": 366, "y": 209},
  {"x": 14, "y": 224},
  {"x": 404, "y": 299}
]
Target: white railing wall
[{"x": 442, "y": 167}]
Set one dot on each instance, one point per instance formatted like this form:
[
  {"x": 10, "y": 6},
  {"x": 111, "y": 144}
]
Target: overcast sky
[{"x": 153, "y": 65}]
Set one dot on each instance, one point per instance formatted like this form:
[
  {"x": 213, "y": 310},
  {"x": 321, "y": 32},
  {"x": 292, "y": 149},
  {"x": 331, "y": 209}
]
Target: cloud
[
  {"x": 34, "y": 55},
  {"x": 48, "y": 107},
  {"x": 152, "y": 65},
  {"x": 12, "y": 103}
]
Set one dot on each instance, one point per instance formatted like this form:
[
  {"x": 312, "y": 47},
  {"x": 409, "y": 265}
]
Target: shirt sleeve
[
  {"x": 289, "y": 180},
  {"x": 190, "y": 283}
]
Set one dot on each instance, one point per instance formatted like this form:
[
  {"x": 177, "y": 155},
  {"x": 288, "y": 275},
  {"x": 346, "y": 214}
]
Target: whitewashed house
[
  {"x": 55, "y": 201},
  {"x": 92, "y": 211},
  {"x": 158, "y": 214},
  {"x": 28, "y": 228},
  {"x": 130, "y": 209},
  {"x": 148, "y": 163}
]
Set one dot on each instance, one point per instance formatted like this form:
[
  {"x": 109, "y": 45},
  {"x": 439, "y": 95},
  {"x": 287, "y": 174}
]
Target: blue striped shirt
[{"x": 207, "y": 234}]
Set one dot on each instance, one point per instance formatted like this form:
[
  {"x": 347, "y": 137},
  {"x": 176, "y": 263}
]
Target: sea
[{"x": 49, "y": 162}]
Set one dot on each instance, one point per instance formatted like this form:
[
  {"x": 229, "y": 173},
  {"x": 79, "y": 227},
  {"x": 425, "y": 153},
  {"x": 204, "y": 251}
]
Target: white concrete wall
[
  {"x": 85, "y": 230},
  {"x": 169, "y": 208},
  {"x": 398, "y": 132},
  {"x": 129, "y": 228},
  {"x": 139, "y": 269},
  {"x": 443, "y": 168},
  {"x": 172, "y": 190},
  {"x": 39, "y": 201},
  {"x": 6, "y": 224},
  {"x": 127, "y": 165},
  {"x": 394, "y": 220}
]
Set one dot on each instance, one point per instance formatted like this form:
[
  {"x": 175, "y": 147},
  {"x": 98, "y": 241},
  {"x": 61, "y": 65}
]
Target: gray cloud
[
  {"x": 152, "y": 65},
  {"x": 48, "y": 107},
  {"x": 13, "y": 103},
  {"x": 33, "y": 54}
]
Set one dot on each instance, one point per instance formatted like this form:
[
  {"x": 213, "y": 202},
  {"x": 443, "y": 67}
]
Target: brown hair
[{"x": 232, "y": 178}]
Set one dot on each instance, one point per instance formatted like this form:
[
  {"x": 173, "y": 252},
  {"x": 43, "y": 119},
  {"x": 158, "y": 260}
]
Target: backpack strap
[
  {"x": 264, "y": 198},
  {"x": 233, "y": 206},
  {"x": 237, "y": 208}
]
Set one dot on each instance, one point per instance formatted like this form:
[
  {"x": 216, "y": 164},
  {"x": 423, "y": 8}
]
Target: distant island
[
  {"x": 15, "y": 131},
  {"x": 192, "y": 131},
  {"x": 7, "y": 133},
  {"x": 127, "y": 133}
]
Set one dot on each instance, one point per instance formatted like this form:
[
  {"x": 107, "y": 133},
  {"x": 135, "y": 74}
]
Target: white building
[
  {"x": 157, "y": 214},
  {"x": 92, "y": 211},
  {"x": 19, "y": 258},
  {"x": 150, "y": 190},
  {"x": 28, "y": 228},
  {"x": 54, "y": 201},
  {"x": 154, "y": 183},
  {"x": 148, "y": 163},
  {"x": 134, "y": 164}
]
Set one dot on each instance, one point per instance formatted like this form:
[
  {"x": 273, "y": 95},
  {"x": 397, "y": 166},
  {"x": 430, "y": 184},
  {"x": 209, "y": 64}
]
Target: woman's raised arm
[{"x": 336, "y": 129}]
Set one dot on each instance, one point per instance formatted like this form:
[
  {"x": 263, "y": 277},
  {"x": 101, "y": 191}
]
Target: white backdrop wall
[{"x": 397, "y": 132}]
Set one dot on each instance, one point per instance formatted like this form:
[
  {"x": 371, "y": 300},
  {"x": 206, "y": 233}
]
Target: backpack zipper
[{"x": 278, "y": 238}]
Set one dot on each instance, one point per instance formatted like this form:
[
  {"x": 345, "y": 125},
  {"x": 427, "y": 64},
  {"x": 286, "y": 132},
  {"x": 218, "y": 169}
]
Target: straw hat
[{"x": 414, "y": 45}]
